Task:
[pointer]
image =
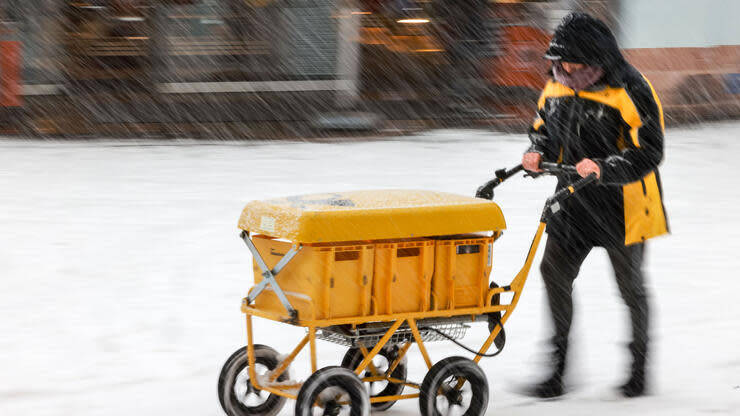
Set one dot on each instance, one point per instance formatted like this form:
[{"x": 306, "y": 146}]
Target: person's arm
[
  {"x": 542, "y": 145},
  {"x": 643, "y": 137},
  {"x": 540, "y": 140}
]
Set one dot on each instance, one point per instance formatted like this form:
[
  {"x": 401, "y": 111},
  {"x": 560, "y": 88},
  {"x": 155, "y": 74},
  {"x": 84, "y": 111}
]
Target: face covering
[{"x": 577, "y": 80}]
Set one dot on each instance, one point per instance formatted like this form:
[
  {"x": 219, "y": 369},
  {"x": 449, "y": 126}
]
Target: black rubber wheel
[
  {"x": 382, "y": 362},
  {"x": 495, "y": 318},
  {"x": 441, "y": 395},
  {"x": 332, "y": 391},
  {"x": 235, "y": 392}
]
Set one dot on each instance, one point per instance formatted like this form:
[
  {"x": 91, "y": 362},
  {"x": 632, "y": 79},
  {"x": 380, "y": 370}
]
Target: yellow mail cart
[{"x": 382, "y": 273}]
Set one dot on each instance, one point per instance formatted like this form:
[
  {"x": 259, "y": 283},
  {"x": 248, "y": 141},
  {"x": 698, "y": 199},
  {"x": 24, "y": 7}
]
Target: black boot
[
  {"x": 553, "y": 385},
  {"x": 635, "y": 386},
  {"x": 548, "y": 389}
]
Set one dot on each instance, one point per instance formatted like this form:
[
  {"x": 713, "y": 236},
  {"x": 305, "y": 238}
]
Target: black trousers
[{"x": 560, "y": 266}]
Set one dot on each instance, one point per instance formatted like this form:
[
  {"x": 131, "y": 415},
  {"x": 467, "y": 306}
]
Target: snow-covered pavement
[{"x": 122, "y": 272}]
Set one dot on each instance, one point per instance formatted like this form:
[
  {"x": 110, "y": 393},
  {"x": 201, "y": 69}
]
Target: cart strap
[{"x": 269, "y": 275}]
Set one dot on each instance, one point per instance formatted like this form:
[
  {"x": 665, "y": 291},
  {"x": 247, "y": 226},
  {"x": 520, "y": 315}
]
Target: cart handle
[
  {"x": 557, "y": 169},
  {"x": 553, "y": 203},
  {"x": 486, "y": 190}
]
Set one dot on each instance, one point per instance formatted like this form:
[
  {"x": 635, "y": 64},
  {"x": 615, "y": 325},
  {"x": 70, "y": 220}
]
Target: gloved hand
[
  {"x": 587, "y": 166},
  {"x": 531, "y": 161}
]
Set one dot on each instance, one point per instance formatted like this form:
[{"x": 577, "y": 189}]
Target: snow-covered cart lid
[{"x": 370, "y": 215}]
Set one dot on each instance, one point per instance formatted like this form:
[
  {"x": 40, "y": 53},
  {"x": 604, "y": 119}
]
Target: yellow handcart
[{"x": 377, "y": 272}]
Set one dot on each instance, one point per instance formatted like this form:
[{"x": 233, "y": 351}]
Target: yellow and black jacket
[{"x": 619, "y": 124}]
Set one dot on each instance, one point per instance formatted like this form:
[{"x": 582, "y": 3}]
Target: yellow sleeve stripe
[
  {"x": 657, "y": 101},
  {"x": 538, "y": 123},
  {"x": 634, "y": 135}
]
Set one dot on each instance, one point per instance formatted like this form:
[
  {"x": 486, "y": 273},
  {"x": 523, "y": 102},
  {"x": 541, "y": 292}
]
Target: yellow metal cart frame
[{"x": 314, "y": 222}]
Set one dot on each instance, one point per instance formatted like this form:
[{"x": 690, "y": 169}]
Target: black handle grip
[
  {"x": 573, "y": 188},
  {"x": 557, "y": 168},
  {"x": 553, "y": 203},
  {"x": 486, "y": 190}
]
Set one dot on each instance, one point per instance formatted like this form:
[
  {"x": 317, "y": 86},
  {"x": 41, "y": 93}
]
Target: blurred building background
[{"x": 276, "y": 68}]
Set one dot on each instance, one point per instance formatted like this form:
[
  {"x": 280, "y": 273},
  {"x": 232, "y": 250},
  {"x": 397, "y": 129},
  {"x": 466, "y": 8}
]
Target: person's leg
[
  {"x": 560, "y": 265},
  {"x": 627, "y": 263}
]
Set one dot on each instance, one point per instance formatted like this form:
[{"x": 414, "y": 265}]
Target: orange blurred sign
[
  {"x": 522, "y": 63},
  {"x": 10, "y": 73}
]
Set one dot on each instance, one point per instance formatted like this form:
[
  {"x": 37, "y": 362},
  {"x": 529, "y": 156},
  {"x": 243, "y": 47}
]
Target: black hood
[{"x": 583, "y": 39}]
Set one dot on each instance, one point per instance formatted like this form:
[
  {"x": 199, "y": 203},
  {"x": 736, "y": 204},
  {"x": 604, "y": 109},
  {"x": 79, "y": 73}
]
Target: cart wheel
[
  {"x": 235, "y": 392},
  {"x": 382, "y": 362},
  {"x": 495, "y": 318},
  {"x": 441, "y": 393},
  {"x": 332, "y": 391}
]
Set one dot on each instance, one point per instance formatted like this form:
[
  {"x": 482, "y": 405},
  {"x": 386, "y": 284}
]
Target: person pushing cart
[{"x": 601, "y": 115}]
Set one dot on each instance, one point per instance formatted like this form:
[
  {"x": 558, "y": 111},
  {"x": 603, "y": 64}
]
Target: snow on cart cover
[{"x": 370, "y": 215}]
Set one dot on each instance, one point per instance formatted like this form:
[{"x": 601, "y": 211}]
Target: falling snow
[
  {"x": 121, "y": 265},
  {"x": 123, "y": 271}
]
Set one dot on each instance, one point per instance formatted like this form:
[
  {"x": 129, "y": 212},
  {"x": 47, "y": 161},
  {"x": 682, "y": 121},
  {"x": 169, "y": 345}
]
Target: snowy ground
[{"x": 122, "y": 272}]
